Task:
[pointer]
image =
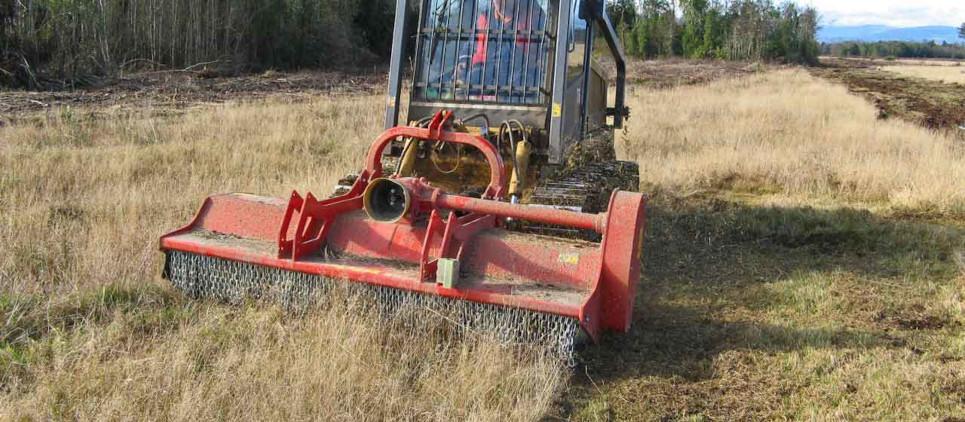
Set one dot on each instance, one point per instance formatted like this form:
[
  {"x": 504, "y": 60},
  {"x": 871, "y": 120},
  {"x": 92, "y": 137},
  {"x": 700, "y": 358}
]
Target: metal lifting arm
[
  {"x": 560, "y": 51},
  {"x": 395, "y": 65},
  {"x": 597, "y": 11}
]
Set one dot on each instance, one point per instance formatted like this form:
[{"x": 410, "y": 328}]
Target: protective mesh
[{"x": 235, "y": 282}]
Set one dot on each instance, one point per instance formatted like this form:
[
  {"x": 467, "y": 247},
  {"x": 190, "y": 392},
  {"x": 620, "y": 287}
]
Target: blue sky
[{"x": 902, "y": 13}]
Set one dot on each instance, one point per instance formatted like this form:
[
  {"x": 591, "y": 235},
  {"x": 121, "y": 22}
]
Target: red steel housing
[{"x": 592, "y": 282}]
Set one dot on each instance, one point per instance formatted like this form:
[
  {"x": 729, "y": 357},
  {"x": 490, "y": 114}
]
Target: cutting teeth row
[{"x": 204, "y": 277}]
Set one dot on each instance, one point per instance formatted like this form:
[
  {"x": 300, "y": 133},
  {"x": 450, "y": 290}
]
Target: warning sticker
[
  {"x": 570, "y": 258},
  {"x": 557, "y": 110}
]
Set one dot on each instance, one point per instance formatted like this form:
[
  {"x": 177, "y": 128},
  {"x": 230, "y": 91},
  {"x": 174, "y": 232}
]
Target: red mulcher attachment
[{"x": 402, "y": 233}]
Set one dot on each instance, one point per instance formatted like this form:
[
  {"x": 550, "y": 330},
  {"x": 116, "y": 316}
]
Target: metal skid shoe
[{"x": 405, "y": 239}]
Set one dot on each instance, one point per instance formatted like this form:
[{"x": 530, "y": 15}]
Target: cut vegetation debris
[
  {"x": 167, "y": 92},
  {"x": 920, "y": 100},
  {"x": 806, "y": 261}
]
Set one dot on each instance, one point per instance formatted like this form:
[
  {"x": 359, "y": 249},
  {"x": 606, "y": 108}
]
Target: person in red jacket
[{"x": 509, "y": 59}]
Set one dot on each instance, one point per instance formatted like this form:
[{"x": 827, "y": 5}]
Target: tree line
[
  {"x": 46, "y": 43},
  {"x": 58, "y": 43},
  {"x": 721, "y": 29},
  {"x": 895, "y": 49}
]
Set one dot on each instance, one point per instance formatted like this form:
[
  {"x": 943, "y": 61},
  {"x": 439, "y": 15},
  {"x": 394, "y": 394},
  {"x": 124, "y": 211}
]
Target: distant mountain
[{"x": 871, "y": 33}]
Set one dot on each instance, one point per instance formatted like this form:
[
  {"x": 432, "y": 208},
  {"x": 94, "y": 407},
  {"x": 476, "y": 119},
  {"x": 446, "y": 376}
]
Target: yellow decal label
[
  {"x": 557, "y": 110},
  {"x": 570, "y": 258},
  {"x": 391, "y": 102}
]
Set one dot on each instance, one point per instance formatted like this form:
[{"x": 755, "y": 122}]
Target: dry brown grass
[
  {"x": 895, "y": 61},
  {"x": 98, "y": 192},
  {"x": 789, "y": 276},
  {"x": 755, "y": 303},
  {"x": 87, "y": 332},
  {"x": 262, "y": 364},
  {"x": 791, "y": 134},
  {"x": 926, "y": 62},
  {"x": 941, "y": 73}
]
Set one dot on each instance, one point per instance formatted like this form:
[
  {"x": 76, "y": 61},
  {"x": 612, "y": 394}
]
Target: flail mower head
[{"x": 403, "y": 237}]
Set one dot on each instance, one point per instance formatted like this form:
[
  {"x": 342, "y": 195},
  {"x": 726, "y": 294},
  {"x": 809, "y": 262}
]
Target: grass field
[
  {"x": 947, "y": 74},
  {"x": 805, "y": 260},
  {"x": 800, "y": 266},
  {"x": 88, "y": 330},
  {"x": 927, "y": 62},
  {"x": 897, "y": 61}
]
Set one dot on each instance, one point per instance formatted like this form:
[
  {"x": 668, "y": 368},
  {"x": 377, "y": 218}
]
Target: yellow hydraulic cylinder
[
  {"x": 411, "y": 151},
  {"x": 518, "y": 180}
]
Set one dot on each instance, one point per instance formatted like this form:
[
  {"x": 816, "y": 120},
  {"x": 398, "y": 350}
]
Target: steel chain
[{"x": 234, "y": 282}]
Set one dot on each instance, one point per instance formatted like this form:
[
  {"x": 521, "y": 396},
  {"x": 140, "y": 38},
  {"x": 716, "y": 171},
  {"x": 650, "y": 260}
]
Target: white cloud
[{"x": 890, "y": 12}]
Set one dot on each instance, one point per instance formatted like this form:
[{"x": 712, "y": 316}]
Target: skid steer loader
[{"x": 501, "y": 195}]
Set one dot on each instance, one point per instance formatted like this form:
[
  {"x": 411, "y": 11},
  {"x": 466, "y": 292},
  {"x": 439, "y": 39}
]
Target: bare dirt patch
[
  {"x": 930, "y": 103},
  {"x": 678, "y": 72},
  {"x": 163, "y": 92},
  {"x": 178, "y": 90}
]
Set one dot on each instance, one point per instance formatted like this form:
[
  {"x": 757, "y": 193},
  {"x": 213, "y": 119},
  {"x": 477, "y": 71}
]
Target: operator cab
[
  {"x": 500, "y": 59},
  {"x": 483, "y": 52}
]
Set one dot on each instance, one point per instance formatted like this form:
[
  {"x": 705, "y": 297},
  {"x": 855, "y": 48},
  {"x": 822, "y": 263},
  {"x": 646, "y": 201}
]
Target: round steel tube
[
  {"x": 536, "y": 214},
  {"x": 497, "y": 180}
]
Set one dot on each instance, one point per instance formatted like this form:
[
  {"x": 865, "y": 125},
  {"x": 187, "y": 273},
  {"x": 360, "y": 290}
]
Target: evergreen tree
[
  {"x": 734, "y": 29},
  {"x": 622, "y": 13},
  {"x": 694, "y": 17}
]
